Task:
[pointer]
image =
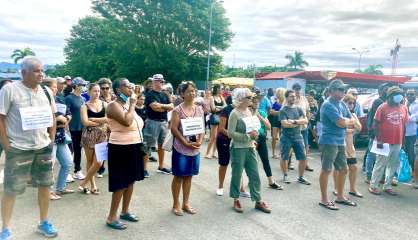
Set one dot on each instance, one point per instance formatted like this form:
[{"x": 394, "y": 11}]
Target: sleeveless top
[
  {"x": 100, "y": 114},
  {"x": 218, "y": 104},
  {"x": 197, "y": 112},
  {"x": 122, "y": 135}
]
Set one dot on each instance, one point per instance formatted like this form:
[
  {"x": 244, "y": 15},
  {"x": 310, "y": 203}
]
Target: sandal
[
  {"x": 329, "y": 205},
  {"x": 189, "y": 210},
  {"x": 129, "y": 217},
  {"x": 177, "y": 212},
  {"x": 63, "y": 192},
  {"x": 53, "y": 196},
  {"x": 83, "y": 190},
  {"x": 116, "y": 224},
  {"x": 356, "y": 194},
  {"x": 346, "y": 202},
  {"x": 95, "y": 191}
]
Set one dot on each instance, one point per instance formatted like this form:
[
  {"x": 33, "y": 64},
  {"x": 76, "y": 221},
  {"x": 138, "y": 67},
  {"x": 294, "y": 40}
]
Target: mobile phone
[{"x": 193, "y": 138}]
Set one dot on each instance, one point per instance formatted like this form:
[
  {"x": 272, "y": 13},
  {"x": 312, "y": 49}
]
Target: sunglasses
[{"x": 105, "y": 88}]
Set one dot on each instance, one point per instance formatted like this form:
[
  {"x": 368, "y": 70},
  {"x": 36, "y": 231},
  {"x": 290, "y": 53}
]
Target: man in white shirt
[
  {"x": 27, "y": 133},
  {"x": 411, "y": 129}
]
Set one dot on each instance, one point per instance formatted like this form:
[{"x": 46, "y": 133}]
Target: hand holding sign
[{"x": 252, "y": 124}]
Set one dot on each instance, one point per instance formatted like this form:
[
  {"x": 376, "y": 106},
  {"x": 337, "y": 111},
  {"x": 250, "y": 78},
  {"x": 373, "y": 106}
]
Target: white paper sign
[
  {"x": 101, "y": 151},
  {"x": 380, "y": 151},
  {"x": 36, "y": 117},
  {"x": 61, "y": 108},
  {"x": 169, "y": 114},
  {"x": 192, "y": 126},
  {"x": 251, "y": 124}
]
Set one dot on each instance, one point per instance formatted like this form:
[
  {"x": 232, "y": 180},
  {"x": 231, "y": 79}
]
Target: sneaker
[
  {"x": 286, "y": 179},
  {"x": 79, "y": 175},
  {"x": 152, "y": 159},
  {"x": 164, "y": 170},
  {"x": 98, "y": 175},
  {"x": 276, "y": 186},
  {"x": 237, "y": 206},
  {"x": 220, "y": 191},
  {"x": 291, "y": 167},
  {"x": 262, "y": 206},
  {"x": 46, "y": 229},
  {"x": 5, "y": 234},
  {"x": 146, "y": 174},
  {"x": 303, "y": 180},
  {"x": 309, "y": 169},
  {"x": 394, "y": 182},
  {"x": 70, "y": 178},
  {"x": 245, "y": 195}
]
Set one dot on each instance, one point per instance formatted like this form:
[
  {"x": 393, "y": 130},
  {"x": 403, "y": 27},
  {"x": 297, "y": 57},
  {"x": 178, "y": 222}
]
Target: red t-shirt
[{"x": 392, "y": 121}]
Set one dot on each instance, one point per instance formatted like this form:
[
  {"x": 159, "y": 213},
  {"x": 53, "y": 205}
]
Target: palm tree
[
  {"x": 19, "y": 54},
  {"x": 372, "y": 69},
  {"x": 296, "y": 61}
]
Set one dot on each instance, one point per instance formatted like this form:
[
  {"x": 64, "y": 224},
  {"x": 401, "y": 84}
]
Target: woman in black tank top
[
  {"x": 216, "y": 106},
  {"x": 93, "y": 117}
]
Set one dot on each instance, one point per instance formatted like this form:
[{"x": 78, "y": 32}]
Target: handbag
[
  {"x": 404, "y": 172},
  {"x": 168, "y": 142}
]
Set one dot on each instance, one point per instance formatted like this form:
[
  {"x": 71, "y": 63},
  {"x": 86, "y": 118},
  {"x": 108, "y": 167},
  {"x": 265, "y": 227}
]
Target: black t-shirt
[
  {"x": 291, "y": 113},
  {"x": 141, "y": 112},
  {"x": 159, "y": 97}
]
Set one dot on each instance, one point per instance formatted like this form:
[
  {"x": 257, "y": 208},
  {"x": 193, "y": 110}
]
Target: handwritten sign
[
  {"x": 101, "y": 151},
  {"x": 61, "y": 108},
  {"x": 192, "y": 126},
  {"x": 36, "y": 117},
  {"x": 251, "y": 124}
]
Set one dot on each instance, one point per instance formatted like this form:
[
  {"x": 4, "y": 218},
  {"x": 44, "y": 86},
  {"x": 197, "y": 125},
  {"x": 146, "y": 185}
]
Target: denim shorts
[
  {"x": 297, "y": 144},
  {"x": 25, "y": 165},
  {"x": 155, "y": 132},
  {"x": 333, "y": 155},
  {"x": 183, "y": 166}
]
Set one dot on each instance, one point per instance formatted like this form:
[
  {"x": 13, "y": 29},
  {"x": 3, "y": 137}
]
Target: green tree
[
  {"x": 296, "y": 61},
  {"x": 136, "y": 39},
  {"x": 19, "y": 54},
  {"x": 372, "y": 69}
]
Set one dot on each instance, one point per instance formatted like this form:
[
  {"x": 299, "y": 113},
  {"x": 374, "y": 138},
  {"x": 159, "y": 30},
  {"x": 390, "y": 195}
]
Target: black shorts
[
  {"x": 274, "y": 121},
  {"x": 222, "y": 145}
]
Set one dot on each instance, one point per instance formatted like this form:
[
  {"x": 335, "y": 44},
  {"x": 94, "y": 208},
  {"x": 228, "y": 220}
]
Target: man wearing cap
[
  {"x": 303, "y": 103},
  {"x": 68, "y": 88},
  {"x": 27, "y": 143},
  {"x": 389, "y": 123},
  {"x": 335, "y": 119},
  {"x": 157, "y": 105},
  {"x": 60, "y": 89},
  {"x": 74, "y": 101}
]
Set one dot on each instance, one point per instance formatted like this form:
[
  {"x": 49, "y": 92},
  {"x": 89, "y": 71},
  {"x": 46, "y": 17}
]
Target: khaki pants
[
  {"x": 387, "y": 164},
  {"x": 244, "y": 158}
]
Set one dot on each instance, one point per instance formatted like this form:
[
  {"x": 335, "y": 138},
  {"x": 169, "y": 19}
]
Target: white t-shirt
[{"x": 15, "y": 96}]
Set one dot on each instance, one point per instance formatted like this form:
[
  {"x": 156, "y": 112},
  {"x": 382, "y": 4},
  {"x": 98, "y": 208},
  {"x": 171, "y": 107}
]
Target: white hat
[{"x": 158, "y": 77}]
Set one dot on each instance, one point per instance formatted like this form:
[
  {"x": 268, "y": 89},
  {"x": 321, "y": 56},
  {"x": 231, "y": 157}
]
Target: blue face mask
[
  {"x": 397, "y": 98},
  {"x": 123, "y": 97}
]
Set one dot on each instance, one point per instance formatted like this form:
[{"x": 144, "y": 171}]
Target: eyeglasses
[
  {"x": 105, "y": 88},
  {"x": 249, "y": 97}
]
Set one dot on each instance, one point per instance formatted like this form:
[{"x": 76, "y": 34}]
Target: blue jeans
[
  {"x": 63, "y": 154},
  {"x": 370, "y": 159}
]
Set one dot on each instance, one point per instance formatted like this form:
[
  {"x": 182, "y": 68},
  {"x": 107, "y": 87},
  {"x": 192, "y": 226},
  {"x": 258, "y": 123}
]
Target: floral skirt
[{"x": 94, "y": 135}]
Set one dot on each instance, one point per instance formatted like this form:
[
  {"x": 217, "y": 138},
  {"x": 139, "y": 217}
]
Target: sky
[{"x": 265, "y": 31}]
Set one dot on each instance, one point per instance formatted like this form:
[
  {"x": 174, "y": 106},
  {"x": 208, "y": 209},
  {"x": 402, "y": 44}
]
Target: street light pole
[
  {"x": 360, "y": 53},
  {"x": 210, "y": 42}
]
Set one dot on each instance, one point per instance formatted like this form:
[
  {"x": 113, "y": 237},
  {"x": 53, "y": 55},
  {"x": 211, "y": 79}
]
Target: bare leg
[
  {"x": 114, "y": 205},
  {"x": 187, "y": 185},
  {"x": 92, "y": 172},
  {"x": 43, "y": 202},
  {"x": 352, "y": 177},
  {"x": 126, "y": 199},
  {"x": 301, "y": 167},
  {"x": 211, "y": 145},
  {"x": 89, "y": 161},
  {"x": 274, "y": 133},
  {"x": 160, "y": 156},
  {"x": 175, "y": 190},
  {"x": 146, "y": 162},
  {"x": 334, "y": 176},
  {"x": 323, "y": 183},
  {"x": 284, "y": 165},
  {"x": 340, "y": 183},
  {"x": 7, "y": 205},
  {"x": 222, "y": 173}
]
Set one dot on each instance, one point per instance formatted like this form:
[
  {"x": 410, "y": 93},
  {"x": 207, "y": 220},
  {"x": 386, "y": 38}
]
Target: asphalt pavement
[{"x": 295, "y": 211}]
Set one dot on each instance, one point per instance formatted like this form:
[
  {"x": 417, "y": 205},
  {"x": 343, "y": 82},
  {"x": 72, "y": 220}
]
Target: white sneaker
[
  {"x": 70, "y": 178},
  {"x": 245, "y": 194},
  {"x": 79, "y": 175},
  {"x": 99, "y": 175},
  {"x": 220, "y": 191}
]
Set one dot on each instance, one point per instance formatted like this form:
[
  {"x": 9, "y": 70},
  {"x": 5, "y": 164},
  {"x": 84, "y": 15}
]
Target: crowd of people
[{"x": 118, "y": 122}]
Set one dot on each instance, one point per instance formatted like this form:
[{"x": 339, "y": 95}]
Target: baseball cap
[
  {"x": 352, "y": 91},
  {"x": 67, "y": 77},
  {"x": 337, "y": 84},
  {"x": 60, "y": 80},
  {"x": 158, "y": 77},
  {"x": 79, "y": 81},
  {"x": 296, "y": 86}
]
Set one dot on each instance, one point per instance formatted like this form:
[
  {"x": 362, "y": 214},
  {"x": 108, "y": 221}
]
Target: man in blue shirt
[{"x": 335, "y": 118}]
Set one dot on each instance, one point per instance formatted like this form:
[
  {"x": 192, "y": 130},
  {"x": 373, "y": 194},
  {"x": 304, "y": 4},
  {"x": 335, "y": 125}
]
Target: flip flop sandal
[
  {"x": 329, "y": 205},
  {"x": 356, "y": 194},
  {"x": 83, "y": 190},
  {"x": 189, "y": 210},
  {"x": 95, "y": 191},
  {"x": 118, "y": 225},
  {"x": 335, "y": 193},
  {"x": 177, "y": 212},
  {"x": 129, "y": 217},
  {"x": 346, "y": 202}
]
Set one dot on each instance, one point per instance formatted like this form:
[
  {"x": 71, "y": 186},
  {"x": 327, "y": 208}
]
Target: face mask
[
  {"x": 123, "y": 97},
  {"x": 397, "y": 98}
]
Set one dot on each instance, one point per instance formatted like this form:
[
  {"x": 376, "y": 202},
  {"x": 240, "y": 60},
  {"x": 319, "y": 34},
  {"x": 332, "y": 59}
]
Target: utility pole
[
  {"x": 394, "y": 53},
  {"x": 360, "y": 53}
]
